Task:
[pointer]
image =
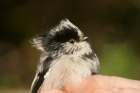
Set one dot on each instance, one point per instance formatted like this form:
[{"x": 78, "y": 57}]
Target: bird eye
[{"x": 72, "y": 41}]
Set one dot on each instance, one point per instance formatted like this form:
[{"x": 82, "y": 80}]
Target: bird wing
[{"x": 40, "y": 73}]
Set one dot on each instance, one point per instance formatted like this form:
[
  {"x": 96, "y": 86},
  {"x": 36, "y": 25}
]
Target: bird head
[{"x": 65, "y": 38}]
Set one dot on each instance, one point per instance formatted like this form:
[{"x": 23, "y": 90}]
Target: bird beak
[{"x": 85, "y": 38}]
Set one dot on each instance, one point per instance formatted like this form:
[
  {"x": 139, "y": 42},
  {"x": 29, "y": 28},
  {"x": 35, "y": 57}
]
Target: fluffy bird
[{"x": 66, "y": 57}]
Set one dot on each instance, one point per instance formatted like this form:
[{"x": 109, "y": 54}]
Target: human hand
[{"x": 101, "y": 84}]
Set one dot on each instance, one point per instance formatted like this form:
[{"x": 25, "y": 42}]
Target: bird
[{"x": 66, "y": 57}]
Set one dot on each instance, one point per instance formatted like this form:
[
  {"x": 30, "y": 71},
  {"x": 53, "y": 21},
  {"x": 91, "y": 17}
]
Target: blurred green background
[{"x": 113, "y": 28}]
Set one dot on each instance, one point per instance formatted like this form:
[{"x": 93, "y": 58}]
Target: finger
[
  {"x": 117, "y": 82},
  {"x": 81, "y": 87},
  {"x": 113, "y": 82},
  {"x": 52, "y": 91},
  {"x": 101, "y": 82},
  {"x": 115, "y": 90},
  {"x": 56, "y": 91}
]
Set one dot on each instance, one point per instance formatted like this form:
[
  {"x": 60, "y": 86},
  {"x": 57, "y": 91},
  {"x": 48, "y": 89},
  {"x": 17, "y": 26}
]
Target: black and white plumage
[{"x": 66, "y": 57}]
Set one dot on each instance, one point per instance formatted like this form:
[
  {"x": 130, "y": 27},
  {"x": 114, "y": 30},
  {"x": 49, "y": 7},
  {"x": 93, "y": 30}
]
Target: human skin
[{"x": 101, "y": 84}]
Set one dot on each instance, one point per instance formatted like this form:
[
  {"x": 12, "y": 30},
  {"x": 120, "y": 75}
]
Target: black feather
[
  {"x": 39, "y": 77},
  {"x": 62, "y": 33}
]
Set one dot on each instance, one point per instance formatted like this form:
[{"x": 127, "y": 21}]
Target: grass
[{"x": 119, "y": 60}]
